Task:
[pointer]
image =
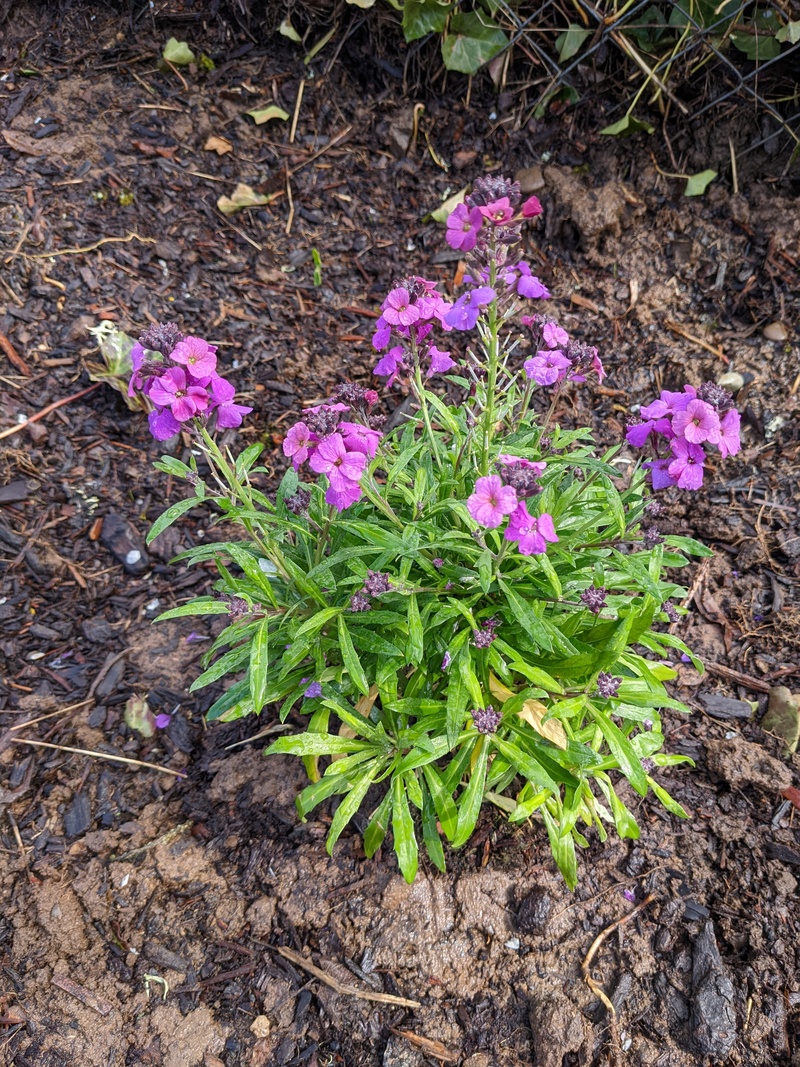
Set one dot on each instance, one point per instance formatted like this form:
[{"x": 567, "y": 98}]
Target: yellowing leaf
[
  {"x": 178, "y": 53},
  {"x": 533, "y": 713},
  {"x": 498, "y": 690},
  {"x": 449, "y": 206},
  {"x": 260, "y": 116},
  {"x": 243, "y": 196},
  {"x": 287, "y": 29},
  {"x": 220, "y": 145},
  {"x": 364, "y": 705}
]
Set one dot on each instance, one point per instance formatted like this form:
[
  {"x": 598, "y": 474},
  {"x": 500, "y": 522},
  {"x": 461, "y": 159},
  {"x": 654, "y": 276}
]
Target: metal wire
[{"x": 707, "y": 47}]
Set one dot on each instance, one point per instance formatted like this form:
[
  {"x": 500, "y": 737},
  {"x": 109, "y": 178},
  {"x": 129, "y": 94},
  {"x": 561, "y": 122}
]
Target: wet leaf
[
  {"x": 243, "y": 196},
  {"x": 533, "y": 713},
  {"x": 178, "y": 53},
  {"x": 421, "y": 17},
  {"x": 571, "y": 42},
  {"x": 139, "y": 717},
  {"x": 220, "y": 145},
  {"x": 266, "y": 114},
  {"x": 789, "y": 33},
  {"x": 627, "y": 126},
  {"x": 287, "y": 29},
  {"x": 471, "y": 42},
  {"x": 697, "y": 184}
]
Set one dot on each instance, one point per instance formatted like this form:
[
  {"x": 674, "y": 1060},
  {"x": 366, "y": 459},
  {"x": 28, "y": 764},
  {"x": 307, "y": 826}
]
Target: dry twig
[
  {"x": 339, "y": 987},
  {"x": 595, "y": 987}
]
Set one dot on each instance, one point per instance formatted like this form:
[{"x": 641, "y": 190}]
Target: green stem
[
  {"x": 492, "y": 351},
  {"x": 419, "y": 388}
]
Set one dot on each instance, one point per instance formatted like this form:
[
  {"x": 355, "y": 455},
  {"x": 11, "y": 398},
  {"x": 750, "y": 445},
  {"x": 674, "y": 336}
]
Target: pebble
[{"x": 731, "y": 380}]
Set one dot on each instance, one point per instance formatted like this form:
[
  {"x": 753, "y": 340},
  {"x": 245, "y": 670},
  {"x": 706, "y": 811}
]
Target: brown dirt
[{"x": 112, "y": 875}]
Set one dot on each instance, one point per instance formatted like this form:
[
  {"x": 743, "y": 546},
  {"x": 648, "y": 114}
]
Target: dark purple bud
[
  {"x": 716, "y": 396},
  {"x": 349, "y": 393},
  {"x": 648, "y": 765},
  {"x": 652, "y": 537},
  {"x": 438, "y": 563},
  {"x": 594, "y": 599},
  {"x": 607, "y": 684},
  {"x": 486, "y": 190},
  {"x": 654, "y": 508},
  {"x": 670, "y": 611},
  {"x": 486, "y": 720},
  {"x": 360, "y": 602},
  {"x": 376, "y": 583},
  {"x": 298, "y": 502},
  {"x": 161, "y": 337},
  {"x": 483, "y": 638},
  {"x": 238, "y": 607},
  {"x": 323, "y": 422},
  {"x": 446, "y": 661}
]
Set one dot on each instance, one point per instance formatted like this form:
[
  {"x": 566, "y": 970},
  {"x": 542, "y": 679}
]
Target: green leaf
[
  {"x": 620, "y": 746},
  {"x": 485, "y": 561},
  {"x": 405, "y": 841},
  {"x": 626, "y": 825},
  {"x": 350, "y": 657},
  {"x": 170, "y": 465},
  {"x": 571, "y": 41},
  {"x": 316, "y": 622},
  {"x": 471, "y": 42},
  {"x": 349, "y": 806},
  {"x": 247, "y": 458},
  {"x": 697, "y": 184},
  {"x": 266, "y": 114},
  {"x": 563, "y": 848},
  {"x": 259, "y": 665},
  {"x": 669, "y": 802},
  {"x": 442, "y": 800},
  {"x": 421, "y": 17},
  {"x": 415, "y": 646},
  {"x": 378, "y": 825},
  {"x": 430, "y": 833},
  {"x": 527, "y": 766},
  {"x": 200, "y": 606},
  {"x": 445, "y": 210},
  {"x": 314, "y": 745},
  {"x": 626, "y": 126},
  {"x": 525, "y": 617},
  {"x": 178, "y": 53},
  {"x": 469, "y": 805},
  {"x": 688, "y": 545},
  {"x": 789, "y": 33},
  {"x": 759, "y": 48},
  {"x": 169, "y": 516}
]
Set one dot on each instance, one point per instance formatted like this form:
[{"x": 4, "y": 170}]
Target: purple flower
[
  {"x": 532, "y": 532},
  {"x": 486, "y": 720},
  {"x": 685, "y": 658},
  {"x": 298, "y": 444},
  {"x": 528, "y": 285},
  {"x": 332, "y": 458},
  {"x": 491, "y": 501},
  {"x": 660, "y": 477},
  {"x": 197, "y": 355},
  {"x": 547, "y": 368},
  {"x": 594, "y": 599},
  {"x": 398, "y": 309},
  {"x": 360, "y": 602},
  {"x": 382, "y": 335},
  {"x": 438, "y": 563},
  {"x": 344, "y": 497},
  {"x": 440, "y": 362},
  {"x": 698, "y": 422},
  {"x": 163, "y": 424},
  {"x": 687, "y": 466},
  {"x": 484, "y": 637},
  {"x": 637, "y": 435},
  {"x": 298, "y": 502},
  {"x": 553, "y": 335},
  {"x": 648, "y": 765},
  {"x": 313, "y": 691},
  {"x": 173, "y": 391},
  {"x": 360, "y": 438},
  {"x": 630, "y": 895},
  {"x": 229, "y": 414},
  {"x": 161, "y": 337},
  {"x": 607, "y": 684},
  {"x": 376, "y": 583},
  {"x": 463, "y": 225},
  {"x": 531, "y": 208},
  {"x": 729, "y": 443},
  {"x": 391, "y": 363},
  {"x": 464, "y": 313},
  {"x": 446, "y": 661},
  {"x": 163, "y": 720},
  {"x": 498, "y": 212}
]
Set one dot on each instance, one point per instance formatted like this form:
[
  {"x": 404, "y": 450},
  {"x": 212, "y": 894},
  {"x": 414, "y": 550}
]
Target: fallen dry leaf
[
  {"x": 243, "y": 196},
  {"x": 533, "y": 713},
  {"x": 218, "y": 144},
  {"x": 22, "y": 143}
]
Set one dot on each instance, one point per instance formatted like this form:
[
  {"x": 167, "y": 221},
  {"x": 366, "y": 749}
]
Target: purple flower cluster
[
  {"x": 486, "y": 720},
  {"x": 408, "y": 316},
  {"x": 685, "y": 422},
  {"x": 492, "y": 500},
  {"x": 335, "y": 447},
  {"x": 179, "y": 375},
  {"x": 494, "y": 204},
  {"x": 560, "y": 358}
]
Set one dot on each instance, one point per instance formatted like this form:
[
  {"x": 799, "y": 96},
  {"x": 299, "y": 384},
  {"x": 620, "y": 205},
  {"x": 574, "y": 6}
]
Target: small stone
[
  {"x": 530, "y": 179},
  {"x": 260, "y": 1026},
  {"x": 97, "y": 630},
  {"x": 534, "y": 911},
  {"x": 731, "y": 380},
  {"x": 124, "y": 543},
  {"x": 783, "y": 717},
  {"x": 776, "y": 331}
]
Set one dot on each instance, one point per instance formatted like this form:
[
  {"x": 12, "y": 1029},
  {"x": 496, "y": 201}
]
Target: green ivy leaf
[
  {"x": 178, "y": 53},
  {"x": 471, "y": 42},
  {"x": 790, "y": 33},
  {"x": 571, "y": 41},
  {"x": 421, "y": 17},
  {"x": 697, "y": 184}
]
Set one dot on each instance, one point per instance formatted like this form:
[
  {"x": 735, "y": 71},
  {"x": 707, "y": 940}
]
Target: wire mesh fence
[{"x": 688, "y": 57}]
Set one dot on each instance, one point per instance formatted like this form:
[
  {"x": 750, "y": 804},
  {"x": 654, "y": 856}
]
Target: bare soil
[{"x": 142, "y": 913}]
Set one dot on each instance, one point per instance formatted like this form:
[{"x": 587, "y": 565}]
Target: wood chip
[{"x": 81, "y": 993}]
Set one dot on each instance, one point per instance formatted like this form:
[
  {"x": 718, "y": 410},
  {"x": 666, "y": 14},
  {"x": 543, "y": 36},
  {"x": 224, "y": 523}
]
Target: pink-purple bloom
[
  {"x": 298, "y": 444},
  {"x": 332, "y": 458},
  {"x": 687, "y": 466},
  {"x": 229, "y": 414},
  {"x": 547, "y": 367},
  {"x": 729, "y": 426},
  {"x": 463, "y": 226},
  {"x": 697, "y": 422},
  {"x": 342, "y": 498},
  {"x": 499, "y": 212},
  {"x": 532, "y": 532},
  {"x": 463, "y": 315},
  {"x": 174, "y": 391},
  {"x": 531, "y": 208},
  {"x": 528, "y": 285},
  {"x": 197, "y": 355},
  {"x": 163, "y": 424},
  {"x": 554, "y": 336},
  {"x": 390, "y": 364},
  {"x": 398, "y": 309},
  {"x": 491, "y": 501},
  {"x": 441, "y": 362},
  {"x": 360, "y": 438}
]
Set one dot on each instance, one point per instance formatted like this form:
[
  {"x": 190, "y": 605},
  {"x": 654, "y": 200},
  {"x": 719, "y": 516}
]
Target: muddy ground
[{"x": 143, "y": 914}]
